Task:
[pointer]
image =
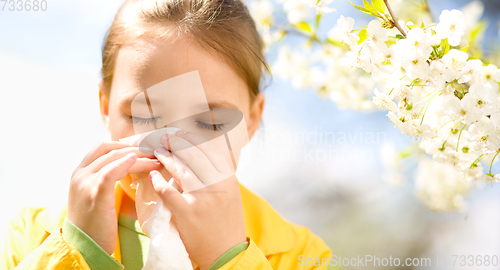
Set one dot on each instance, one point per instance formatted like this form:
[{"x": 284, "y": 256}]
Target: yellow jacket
[{"x": 35, "y": 241}]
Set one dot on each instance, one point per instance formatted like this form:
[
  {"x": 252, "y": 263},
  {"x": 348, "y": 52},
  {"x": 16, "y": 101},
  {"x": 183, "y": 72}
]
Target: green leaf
[
  {"x": 335, "y": 42},
  {"x": 371, "y": 9},
  {"x": 364, "y": 10},
  {"x": 399, "y": 36},
  {"x": 379, "y": 5},
  {"x": 445, "y": 46},
  {"x": 464, "y": 49},
  {"x": 304, "y": 27},
  {"x": 406, "y": 153},
  {"x": 390, "y": 42},
  {"x": 411, "y": 26},
  {"x": 363, "y": 35},
  {"x": 318, "y": 18},
  {"x": 478, "y": 32}
]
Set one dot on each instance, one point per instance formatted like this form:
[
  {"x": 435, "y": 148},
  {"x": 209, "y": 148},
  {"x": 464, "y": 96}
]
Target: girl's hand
[
  {"x": 209, "y": 214},
  {"x": 91, "y": 200}
]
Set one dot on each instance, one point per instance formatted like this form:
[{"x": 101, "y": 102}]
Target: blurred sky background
[{"x": 49, "y": 68}]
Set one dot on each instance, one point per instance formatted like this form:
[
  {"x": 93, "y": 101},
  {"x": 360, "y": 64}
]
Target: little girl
[{"x": 228, "y": 227}]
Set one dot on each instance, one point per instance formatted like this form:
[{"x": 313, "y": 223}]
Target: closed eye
[
  {"x": 144, "y": 121},
  {"x": 215, "y": 127}
]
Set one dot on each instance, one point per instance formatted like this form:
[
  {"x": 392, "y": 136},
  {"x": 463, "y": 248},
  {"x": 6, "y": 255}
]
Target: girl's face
[{"x": 148, "y": 62}]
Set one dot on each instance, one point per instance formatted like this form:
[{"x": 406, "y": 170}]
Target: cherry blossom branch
[
  {"x": 426, "y": 6},
  {"x": 393, "y": 19}
]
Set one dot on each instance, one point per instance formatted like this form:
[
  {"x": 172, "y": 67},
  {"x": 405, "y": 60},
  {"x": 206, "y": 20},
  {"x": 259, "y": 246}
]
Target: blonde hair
[{"x": 222, "y": 25}]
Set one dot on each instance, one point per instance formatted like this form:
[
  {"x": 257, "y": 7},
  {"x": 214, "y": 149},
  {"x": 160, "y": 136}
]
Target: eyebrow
[
  {"x": 222, "y": 104},
  {"x": 125, "y": 103}
]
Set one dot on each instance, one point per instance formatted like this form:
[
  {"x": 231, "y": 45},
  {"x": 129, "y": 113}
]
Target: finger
[
  {"x": 179, "y": 170},
  {"x": 145, "y": 165},
  {"x": 114, "y": 155},
  {"x": 194, "y": 158},
  {"x": 115, "y": 171},
  {"x": 100, "y": 149},
  {"x": 168, "y": 194},
  {"x": 166, "y": 159},
  {"x": 214, "y": 151}
]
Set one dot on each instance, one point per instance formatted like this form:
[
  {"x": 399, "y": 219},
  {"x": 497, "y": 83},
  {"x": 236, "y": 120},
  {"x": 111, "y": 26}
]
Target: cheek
[{"x": 120, "y": 125}]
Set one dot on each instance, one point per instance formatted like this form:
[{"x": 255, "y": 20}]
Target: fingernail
[
  {"x": 145, "y": 150},
  {"x": 156, "y": 161},
  {"x": 152, "y": 174},
  {"x": 180, "y": 132},
  {"x": 171, "y": 181},
  {"x": 162, "y": 151},
  {"x": 166, "y": 136}
]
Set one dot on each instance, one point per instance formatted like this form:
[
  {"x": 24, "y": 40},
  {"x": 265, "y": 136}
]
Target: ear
[
  {"x": 104, "y": 104},
  {"x": 255, "y": 116}
]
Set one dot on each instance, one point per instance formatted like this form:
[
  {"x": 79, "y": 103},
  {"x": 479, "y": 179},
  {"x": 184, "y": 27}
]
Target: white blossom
[
  {"x": 377, "y": 36},
  {"x": 473, "y": 173},
  {"x": 417, "y": 45},
  {"x": 449, "y": 103},
  {"x": 418, "y": 68},
  {"x": 262, "y": 12},
  {"x": 424, "y": 131},
  {"x": 293, "y": 65},
  {"x": 297, "y": 11},
  {"x": 490, "y": 178},
  {"x": 404, "y": 125},
  {"x": 451, "y": 26},
  {"x": 384, "y": 100},
  {"x": 483, "y": 137},
  {"x": 440, "y": 186},
  {"x": 342, "y": 31},
  {"x": 491, "y": 77},
  {"x": 320, "y": 5},
  {"x": 359, "y": 60},
  {"x": 462, "y": 110},
  {"x": 495, "y": 119},
  {"x": 454, "y": 61},
  {"x": 472, "y": 72},
  {"x": 483, "y": 98}
]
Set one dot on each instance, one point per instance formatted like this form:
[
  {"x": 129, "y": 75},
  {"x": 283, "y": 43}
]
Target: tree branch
[{"x": 393, "y": 19}]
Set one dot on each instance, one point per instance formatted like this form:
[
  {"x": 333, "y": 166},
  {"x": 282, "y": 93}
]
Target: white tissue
[
  {"x": 166, "y": 249},
  {"x": 149, "y": 143}
]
